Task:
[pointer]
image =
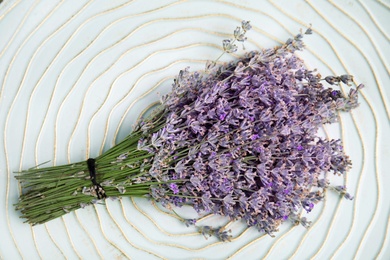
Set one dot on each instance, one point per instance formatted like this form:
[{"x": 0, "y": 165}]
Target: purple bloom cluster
[{"x": 241, "y": 139}]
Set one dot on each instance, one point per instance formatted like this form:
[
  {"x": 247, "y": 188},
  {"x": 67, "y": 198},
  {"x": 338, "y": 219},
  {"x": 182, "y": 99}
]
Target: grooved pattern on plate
[{"x": 76, "y": 77}]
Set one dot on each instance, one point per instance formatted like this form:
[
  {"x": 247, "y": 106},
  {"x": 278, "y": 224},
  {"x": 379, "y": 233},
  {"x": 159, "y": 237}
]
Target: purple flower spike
[
  {"x": 255, "y": 136},
  {"x": 174, "y": 188},
  {"x": 222, "y": 117},
  {"x": 335, "y": 93}
]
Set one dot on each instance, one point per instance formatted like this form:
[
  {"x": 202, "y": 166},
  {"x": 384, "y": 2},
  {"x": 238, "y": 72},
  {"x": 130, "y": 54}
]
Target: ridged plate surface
[{"x": 76, "y": 75}]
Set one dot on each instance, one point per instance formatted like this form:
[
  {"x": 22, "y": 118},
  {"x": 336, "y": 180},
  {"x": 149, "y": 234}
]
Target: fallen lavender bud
[
  {"x": 220, "y": 233},
  {"x": 189, "y": 222}
]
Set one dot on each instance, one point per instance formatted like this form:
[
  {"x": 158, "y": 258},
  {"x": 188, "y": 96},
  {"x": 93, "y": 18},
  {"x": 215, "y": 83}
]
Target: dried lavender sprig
[{"x": 229, "y": 45}]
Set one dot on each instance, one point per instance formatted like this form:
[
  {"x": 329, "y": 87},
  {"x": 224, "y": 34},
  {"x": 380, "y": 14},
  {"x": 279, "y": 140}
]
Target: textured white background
[{"x": 75, "y": 75}]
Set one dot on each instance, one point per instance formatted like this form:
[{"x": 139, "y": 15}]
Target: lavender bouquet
[{"x": 238, "y": 140}]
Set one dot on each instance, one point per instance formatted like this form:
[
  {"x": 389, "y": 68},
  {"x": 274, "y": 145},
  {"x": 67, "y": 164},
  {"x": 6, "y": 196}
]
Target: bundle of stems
[{"x": 51, "y": 192}]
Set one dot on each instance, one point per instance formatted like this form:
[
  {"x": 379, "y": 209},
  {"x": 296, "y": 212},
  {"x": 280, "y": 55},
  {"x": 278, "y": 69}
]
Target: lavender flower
[
  {"x": 238, "y": 140},
  {"x": 228, "y": 46},
  {"x": 174, "y": 188},
  {"x": 189, "y": 222},
  {"x": 252, "y": 133}
]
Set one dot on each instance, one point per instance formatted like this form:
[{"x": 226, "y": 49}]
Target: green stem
[{"x": 51, "y": 192}]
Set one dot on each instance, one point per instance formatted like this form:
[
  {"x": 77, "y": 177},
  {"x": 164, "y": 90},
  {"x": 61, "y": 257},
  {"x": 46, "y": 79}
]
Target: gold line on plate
[
  {"x": 106, "y": 11},
  {"x": 170, "y": 234},
  {"x": 140, "y": 78},
  {"x": 372, "y": 17},
  {"x": 70, "y": 238},
  {"x": 89, "y": 236},
  {"x": 377, "y": 180},
  {"x": 28, "y": 68},
  {"x": 10, "y": 9},
  {"x": 57, "y": 55},
  {"x": 146, "y": 237},
  {"x": 203, "y": 218},
  {"x": 105, "y": 236},
  {"x": 278, "y": 240},
  {"x": 126, "y": 72},
  {"x": 19, "y": 27},
  {"x": 356, "y": 191},
  {"x": 373, "y": 43},
  {"x": 31, "y": 96},
  {"x": 364, "y": 155},
  {"x": 376, "y": 140},
  {"x": 35, "y": 242},
  {"x": 149, "y": 90},
  {"x": 52, "y": 239},
  {"x": 52, "y": 95},
  {"x": 142, "y": 113},
  {"x": 246, "y": 246},
  {"x": 5, "y": 143},
  {"x": 22, "y": 82},
  {"x": 9, "y": 66},
  {"x": 383, "y": 4},
  {"x": 124, "y": 235},
  {"x": 157, "y": 225},
  {"x": 163, "y": 211},
  {"x": 28, "y": 110},
  {"x": 46, "y": 39},
  {"x": 14, "y": 57},
  {"x": 385, "y": 241}
]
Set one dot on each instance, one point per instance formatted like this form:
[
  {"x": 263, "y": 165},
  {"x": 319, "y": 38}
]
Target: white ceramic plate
[{"x": 75, "y": 75}]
